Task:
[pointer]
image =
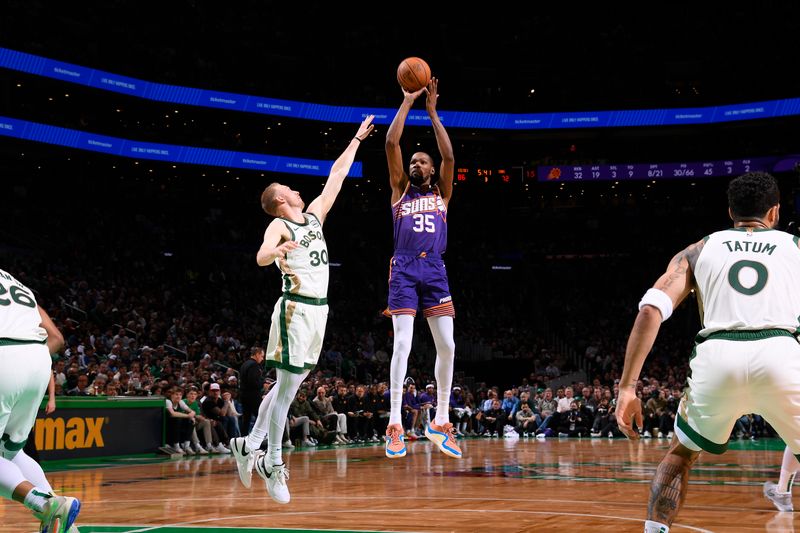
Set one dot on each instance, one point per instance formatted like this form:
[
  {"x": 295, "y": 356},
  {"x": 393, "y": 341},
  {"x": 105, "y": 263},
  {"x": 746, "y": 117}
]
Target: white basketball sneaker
[
  {"x": 245, "y": 460},
  {"x": 275, "y": 477},
  {"x": 58, "y": 514},
  {"x": 782, "y": 501}
]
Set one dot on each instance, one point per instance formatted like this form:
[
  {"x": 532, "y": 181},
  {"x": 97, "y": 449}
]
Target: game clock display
[{"x": 488, "y": 174}]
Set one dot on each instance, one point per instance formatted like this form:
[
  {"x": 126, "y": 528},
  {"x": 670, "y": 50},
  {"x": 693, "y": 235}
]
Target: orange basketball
[{"x": 413, "y": 74}]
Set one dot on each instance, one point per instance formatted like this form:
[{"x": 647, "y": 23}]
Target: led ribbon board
[
  {"x": 161, "y": 92},
  {"x": 82, "y": 140}
]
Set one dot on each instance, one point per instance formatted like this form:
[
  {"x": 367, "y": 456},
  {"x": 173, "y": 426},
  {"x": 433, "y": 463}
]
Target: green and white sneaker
[{"x": 58, "y": 514}]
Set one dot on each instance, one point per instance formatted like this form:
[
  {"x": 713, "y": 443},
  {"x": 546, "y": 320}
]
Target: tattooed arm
[{"x": 676, "y": 282}]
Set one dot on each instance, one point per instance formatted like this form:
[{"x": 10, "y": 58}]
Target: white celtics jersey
[
  {"x": 19, "y": 316},
  {"x": 749, "y": 278},
  {"x": 305, "y": 269}
]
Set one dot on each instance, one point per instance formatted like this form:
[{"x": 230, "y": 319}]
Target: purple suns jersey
[{"x": 420, "y": 223}]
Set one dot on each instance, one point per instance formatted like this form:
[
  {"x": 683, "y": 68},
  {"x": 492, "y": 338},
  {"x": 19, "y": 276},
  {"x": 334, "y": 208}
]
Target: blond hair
[{"x": 268, "y": 203}]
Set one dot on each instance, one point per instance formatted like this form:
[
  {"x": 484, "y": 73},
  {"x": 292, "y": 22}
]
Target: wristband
[{"x": 658, "y": 299}]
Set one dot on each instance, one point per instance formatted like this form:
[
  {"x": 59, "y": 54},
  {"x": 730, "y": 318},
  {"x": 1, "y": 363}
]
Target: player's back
[
  {"x": 749, "y": 278},
  {"x": 420, "y": 222},
  {"x": 19, "y": 316}
]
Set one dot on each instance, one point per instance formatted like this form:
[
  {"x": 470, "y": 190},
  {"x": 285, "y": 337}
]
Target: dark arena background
[{"x": 591, "y": 145}]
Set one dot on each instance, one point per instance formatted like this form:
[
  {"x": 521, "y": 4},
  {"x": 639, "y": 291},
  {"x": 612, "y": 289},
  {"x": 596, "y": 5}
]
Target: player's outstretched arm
[
  {"x": 323, "y": 203},
  {"x": 398, "y": 179},
  {"x": 447, "y": 168},
  {"x": 655, "y": 307},
  {"x": 272, "y": 248}
]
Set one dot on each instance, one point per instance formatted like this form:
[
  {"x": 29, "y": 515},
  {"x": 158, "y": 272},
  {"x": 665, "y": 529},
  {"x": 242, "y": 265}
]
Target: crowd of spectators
[{"x": 172, "y": 299}]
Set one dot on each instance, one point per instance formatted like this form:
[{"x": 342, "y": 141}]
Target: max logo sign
[{"x": 76, "y": 432}]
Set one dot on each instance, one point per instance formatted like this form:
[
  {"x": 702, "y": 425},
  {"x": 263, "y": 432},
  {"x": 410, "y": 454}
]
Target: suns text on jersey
[{"x": 424, "y": 204}]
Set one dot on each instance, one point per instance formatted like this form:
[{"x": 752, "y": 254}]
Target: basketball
[{"x": 413, "y": 74}]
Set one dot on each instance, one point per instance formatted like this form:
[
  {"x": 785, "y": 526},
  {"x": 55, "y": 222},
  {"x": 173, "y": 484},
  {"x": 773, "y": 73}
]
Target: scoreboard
[
  {"x": 644, "y": 171},
  {"x": 625, "y": 172},
  {"x": 484, "y": 174}
]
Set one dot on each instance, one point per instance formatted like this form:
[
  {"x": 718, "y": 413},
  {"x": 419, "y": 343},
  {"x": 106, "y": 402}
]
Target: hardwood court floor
[{"x": 499, "y": 486}]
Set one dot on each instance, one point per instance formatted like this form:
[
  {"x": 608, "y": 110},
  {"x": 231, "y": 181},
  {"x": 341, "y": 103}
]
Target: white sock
[
  {"x": 36, "y": 499},
  {"x": 655, "y": 527},
  {"x": 10, "y": 478},
  {"x": 789, "y": 468},
  {"x": 403, "y": 333},
  {"x": 275, "y": 457},
  {"x": 442, "y": 331},
  {"x": 31, "y": 470},
  {"x": 285, "y": 388},
  {"x": 259, "y": 432}
]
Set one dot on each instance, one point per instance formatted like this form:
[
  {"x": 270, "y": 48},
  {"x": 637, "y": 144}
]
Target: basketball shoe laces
[
  {"x": 394, "y": 436},
  {"x": 282, "y": 474},
  {"x": 450, "y": 431}
]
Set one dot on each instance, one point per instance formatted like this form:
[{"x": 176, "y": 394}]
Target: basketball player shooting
[{"x": 417, "y": 277}]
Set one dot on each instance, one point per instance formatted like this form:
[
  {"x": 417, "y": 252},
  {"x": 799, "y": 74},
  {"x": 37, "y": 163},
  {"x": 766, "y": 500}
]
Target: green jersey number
[
  {"x": 318, "y": 258},
  {"x": 761, "y": 277},
  {"x": 17, "y": 295}
]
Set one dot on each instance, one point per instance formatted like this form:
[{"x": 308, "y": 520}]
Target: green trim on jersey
[
  {"x": 284, "y": 334},
  {"x": 289, "y": 368},
  {"x": 12, "y": 446},
  {"x": 286, "y": 220},
  {"x": 796, "y": 240},
  {"x": 315, "y": 216},
  {"x": 745, "y": 335},
  {"x": 17, "y": 342},
  {"x": 305, "y": 299},
  {"x": 285, "y": 223},
  {"x": 697, "y": 438},
  {"x": 753, "y": 229}
]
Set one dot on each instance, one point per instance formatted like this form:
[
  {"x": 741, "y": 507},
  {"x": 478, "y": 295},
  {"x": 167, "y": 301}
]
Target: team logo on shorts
[{"x": 445, "y": 299}]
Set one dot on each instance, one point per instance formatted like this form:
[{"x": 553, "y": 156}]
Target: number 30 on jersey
[{"x": 424, "y": 223}]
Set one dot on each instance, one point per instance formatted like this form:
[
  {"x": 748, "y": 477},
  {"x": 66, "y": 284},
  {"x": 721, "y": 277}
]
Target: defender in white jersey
[
  {"x": 27, "y": 338},
  {"x": 746, "y": 357},
  {"x": 295, "y": 243}
]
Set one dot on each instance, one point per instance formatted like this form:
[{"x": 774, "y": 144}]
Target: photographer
[{"x": 573, "y": 422}]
